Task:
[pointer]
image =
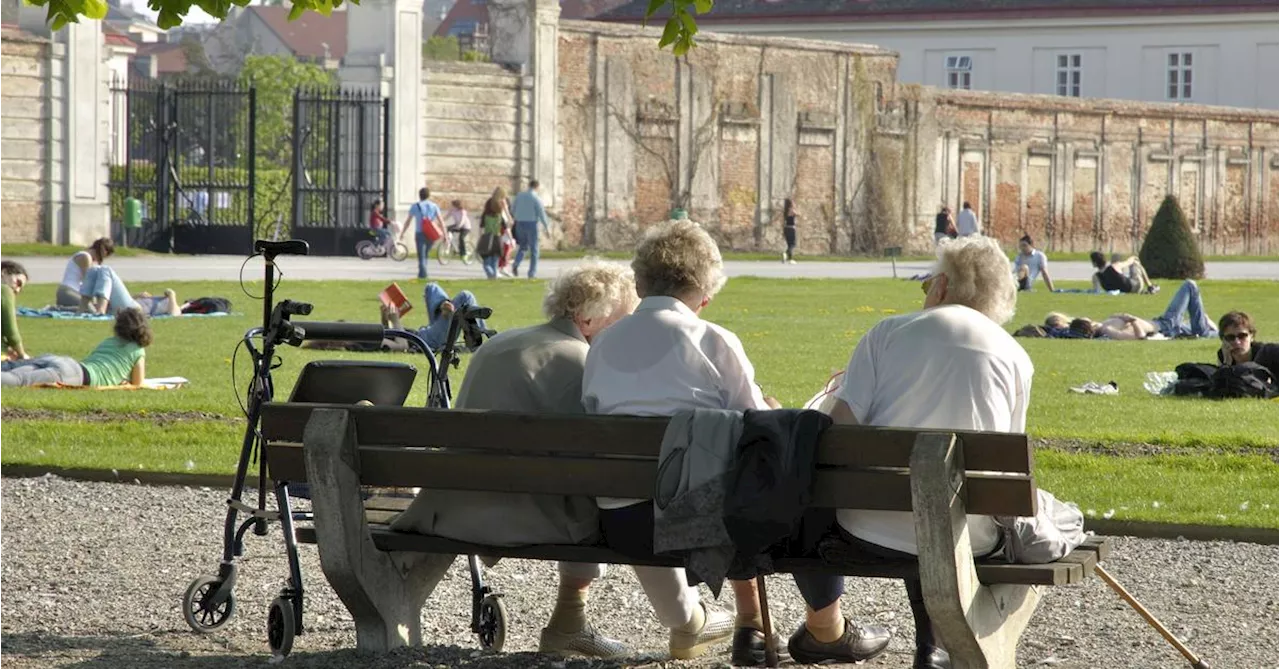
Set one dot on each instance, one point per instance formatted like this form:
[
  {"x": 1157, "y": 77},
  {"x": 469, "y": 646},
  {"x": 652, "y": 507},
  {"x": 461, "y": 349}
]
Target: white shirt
[
  {"x": 1035, "y": 263},
  {"x": 663, "y": 359},
  {"x": 967, "y": 223},
  {"x": 947, "y": 368}
]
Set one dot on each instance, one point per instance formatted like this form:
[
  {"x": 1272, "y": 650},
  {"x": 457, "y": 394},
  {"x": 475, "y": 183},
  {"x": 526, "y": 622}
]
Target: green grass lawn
[{"x": 795, "y": 331}]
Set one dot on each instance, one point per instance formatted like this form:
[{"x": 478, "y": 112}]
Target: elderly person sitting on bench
[
  {"x": 950, "y": 366},
  {"x": 538, "y": 370},
  {"x": 657, "y": 362}
]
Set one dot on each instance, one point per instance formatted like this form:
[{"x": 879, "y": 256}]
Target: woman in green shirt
[
  {"x": 116, "y": 361},
  {"x": 12, "y": 278}
]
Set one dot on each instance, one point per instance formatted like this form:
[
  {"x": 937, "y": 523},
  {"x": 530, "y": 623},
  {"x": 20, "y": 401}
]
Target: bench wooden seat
[{"x": 979, "y": 608}]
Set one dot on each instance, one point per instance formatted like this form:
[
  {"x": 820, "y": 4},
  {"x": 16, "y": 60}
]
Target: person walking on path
[
  {"x": 944, "y": 226},
  {"x": 967, "y": 224},
  {"x": 424, "y": 216},
  {"x": 789, "y": 231},
  {"x": 529, "y": 214}
]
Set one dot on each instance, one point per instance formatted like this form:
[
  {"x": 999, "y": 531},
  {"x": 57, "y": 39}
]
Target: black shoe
[
  {"x": 748, "y": 647},
  {"x": 858, "y": 644},
  {"x": 931, "y": 658}
]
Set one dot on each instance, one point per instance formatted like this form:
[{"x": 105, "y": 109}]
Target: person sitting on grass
[
  {"x": 440, "y": 308},
  {"x": 78, "y": 264},
  {"x": 1126, "y": 275},
  {"x": 1171, "y": 324},
  {"x": 104, "y": 292},
  {"x": 1029, "y": 264},
  {"x": 117, "y": 360},
  {"x": 538, "y": 370},
  {"x": 1238, "y": 345},
  {"x": 13, "y": 277}
]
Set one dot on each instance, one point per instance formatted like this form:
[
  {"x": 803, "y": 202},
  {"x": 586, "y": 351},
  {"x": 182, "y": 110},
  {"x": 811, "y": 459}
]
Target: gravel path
[{"x": 93, "y": 574}]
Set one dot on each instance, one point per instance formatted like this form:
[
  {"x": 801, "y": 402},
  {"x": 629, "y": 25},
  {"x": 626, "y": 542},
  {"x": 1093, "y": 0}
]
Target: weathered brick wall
[
  {"x": 24, "y": 145},
  {"x": 477, "y": 131},
  {"x": 1079, "y": 175},
  {"x": 729, "y": 134}
]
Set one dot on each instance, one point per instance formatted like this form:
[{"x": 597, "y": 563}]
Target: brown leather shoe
[{"x": 857, "y": 645}]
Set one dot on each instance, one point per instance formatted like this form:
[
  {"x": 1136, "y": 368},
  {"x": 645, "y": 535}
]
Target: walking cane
[
  {"x": 1196, "y": 662},
  {"x": 770, "y": 652}
]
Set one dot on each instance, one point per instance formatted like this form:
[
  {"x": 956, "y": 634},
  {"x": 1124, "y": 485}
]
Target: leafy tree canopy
[{"x": 677, "y": 32}]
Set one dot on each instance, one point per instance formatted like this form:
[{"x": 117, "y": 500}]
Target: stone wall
[
  {"x": 478, "y": 134},
  {"x": 728, "y": 133},
  {"x": 1079, "y": 175},
  {"x": 25, "y": 141}
]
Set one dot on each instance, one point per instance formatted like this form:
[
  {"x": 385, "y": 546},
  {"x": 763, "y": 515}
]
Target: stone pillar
[
  {"x": 385, "y": 53},
  {"x": 78, "y": 129},
  {"x": 525, "y": 36}
]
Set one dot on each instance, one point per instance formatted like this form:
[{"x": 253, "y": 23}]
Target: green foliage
[
  {"x": 678, "y": 33},
  {"x": 680, "y": 27},
  {"x": 441, "y": 48},
  {"x": 1170, "y": 250},
  {"x": 276, "y": 78},
  {"x": 272, "y": 199}
]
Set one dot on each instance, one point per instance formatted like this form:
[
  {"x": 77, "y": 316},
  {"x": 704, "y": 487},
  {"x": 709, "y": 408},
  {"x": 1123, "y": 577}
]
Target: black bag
[
  {"x": 207, "y": 305},
  {"x": 489, "y": 245},
  {"x": 1248, "y": 379}
]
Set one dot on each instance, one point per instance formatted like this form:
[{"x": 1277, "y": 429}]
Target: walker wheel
[
  {"x": 200, "y": 613},
  {"x": 493, "y": 623},
  {"x": 282, "y": 624}
]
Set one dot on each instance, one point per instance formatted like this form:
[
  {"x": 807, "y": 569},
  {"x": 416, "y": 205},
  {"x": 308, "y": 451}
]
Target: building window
[
  {"x": 1179, "y": 87},
  {"x": 1069, "y": 74},
  {"x": 959, "y": 72}
]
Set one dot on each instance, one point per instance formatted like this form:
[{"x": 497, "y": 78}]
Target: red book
[{"x": 393, "y": 297}]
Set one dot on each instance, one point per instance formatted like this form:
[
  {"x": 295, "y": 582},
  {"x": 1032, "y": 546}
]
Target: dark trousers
[
  {"x": 629, "y": 530},
  {"x": 789, "y": 234}
]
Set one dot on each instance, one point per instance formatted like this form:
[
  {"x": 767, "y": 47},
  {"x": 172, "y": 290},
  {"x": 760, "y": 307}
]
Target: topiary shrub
[{"x": 1170, "y": 250}]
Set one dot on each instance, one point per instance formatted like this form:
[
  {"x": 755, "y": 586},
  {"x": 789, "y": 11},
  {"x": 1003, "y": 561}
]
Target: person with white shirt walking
[
  {"x": 529, "y": 214},
  {"x": 967, "y": 224},
  {"x": 948, "y": 367},
  {"x": 659, "y": 361}
]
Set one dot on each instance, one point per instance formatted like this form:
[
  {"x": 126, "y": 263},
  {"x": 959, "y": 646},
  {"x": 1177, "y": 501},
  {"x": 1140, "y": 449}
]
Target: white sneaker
[
  {"x": 717, "y": 626},
  {"x": 584, "y": 643}
]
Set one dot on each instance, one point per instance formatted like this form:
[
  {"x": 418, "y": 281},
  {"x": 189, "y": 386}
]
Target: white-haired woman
[
  {"x": 659, "y": 361},
  {"x": 538, "y": 370},
  {"x": 950, "y": 366}
]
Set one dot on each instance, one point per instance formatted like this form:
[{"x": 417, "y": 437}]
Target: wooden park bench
[{"x": 980, "y": 609}]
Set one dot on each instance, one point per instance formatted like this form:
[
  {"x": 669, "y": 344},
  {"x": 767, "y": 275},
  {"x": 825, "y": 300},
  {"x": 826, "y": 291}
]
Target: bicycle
[
  {"x": 450, "y": 245},
  {"x": 368, "y": 249}
]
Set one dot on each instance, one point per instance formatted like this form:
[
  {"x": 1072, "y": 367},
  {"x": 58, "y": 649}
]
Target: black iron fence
[
  {"x": 185, "y": 151},
  {"x": 341, "y": 165}
]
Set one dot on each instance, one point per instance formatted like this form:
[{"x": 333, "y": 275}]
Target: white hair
[
  {"x": 978, "y": 276},
  {"x": 591, "y": 288},
  {"x": 678, "y": 257}
]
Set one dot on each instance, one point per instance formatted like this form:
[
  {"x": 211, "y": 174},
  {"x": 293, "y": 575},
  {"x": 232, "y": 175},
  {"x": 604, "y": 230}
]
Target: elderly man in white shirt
[
  {"x": 950, "y": 366},
  {"x": 656, "y": 362}
]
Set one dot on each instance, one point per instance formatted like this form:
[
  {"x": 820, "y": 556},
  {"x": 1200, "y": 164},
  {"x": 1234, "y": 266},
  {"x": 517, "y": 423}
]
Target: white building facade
[{"x": 1219, "y": 55}]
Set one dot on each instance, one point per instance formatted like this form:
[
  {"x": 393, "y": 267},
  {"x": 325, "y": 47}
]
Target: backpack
[
  {"x": 1248, "y": 379},
  {"x": 1195, "y": 379},
  {"x": 207, "y": 305},
  {"x": 1050, "y": 535}
]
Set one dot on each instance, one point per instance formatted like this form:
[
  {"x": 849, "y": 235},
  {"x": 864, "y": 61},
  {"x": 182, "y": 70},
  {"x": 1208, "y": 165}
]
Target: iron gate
[
  {"x": 341, "y": 166},
  {"x": 186, "y": 152}
]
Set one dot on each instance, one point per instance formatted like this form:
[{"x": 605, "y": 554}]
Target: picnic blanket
[
  {"x": 1088, "y": 291},
  {"x": 162, "y": 383},
  {"x": 66, "y": 314}
]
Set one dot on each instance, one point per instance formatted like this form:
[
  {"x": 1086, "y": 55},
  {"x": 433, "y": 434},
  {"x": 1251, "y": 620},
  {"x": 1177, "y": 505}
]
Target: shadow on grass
[{"x": 161, "y": 651}]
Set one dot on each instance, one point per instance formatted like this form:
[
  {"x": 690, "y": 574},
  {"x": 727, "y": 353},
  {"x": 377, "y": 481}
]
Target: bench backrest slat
[{"x": 626, "y": 436}]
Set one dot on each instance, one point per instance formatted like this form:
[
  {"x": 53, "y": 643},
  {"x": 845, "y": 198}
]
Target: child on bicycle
[
  {"x": 458, "y": 221},
  {"x": 381, "y": 224}
]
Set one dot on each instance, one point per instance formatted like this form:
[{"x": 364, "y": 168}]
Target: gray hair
[
  {"x": 676, "y": 258},
  {"x": 978, "y": 276},
  {"x": 591, "y": 288}
]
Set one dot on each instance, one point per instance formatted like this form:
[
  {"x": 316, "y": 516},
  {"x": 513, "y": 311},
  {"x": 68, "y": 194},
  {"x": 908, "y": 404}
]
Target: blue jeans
[
  {"x": 490, "y": 264},
  {"x": 102, "y": 281},
  {"x": 424, "y": 250},
  {"x": 526, "y": 238},
  {"x": 437, "y": 331},
  {"x": 47, "y": 368},
  {"x": 1186, "y": 300}
]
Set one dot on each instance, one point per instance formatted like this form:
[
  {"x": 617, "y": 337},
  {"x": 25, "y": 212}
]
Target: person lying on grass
[
  {"x": 117, "y": 360},
  {"x": 1170, "y": 324},
  {"x": 104, "y": 292},
  {"x": 1126, "y": 275},
  {"x": 13, "y": 277},
  {"x": 440, "y": 308},
  {"x": 1238, "y": 345}
]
